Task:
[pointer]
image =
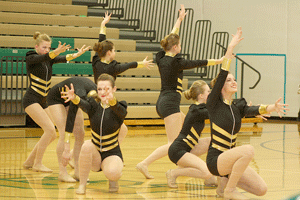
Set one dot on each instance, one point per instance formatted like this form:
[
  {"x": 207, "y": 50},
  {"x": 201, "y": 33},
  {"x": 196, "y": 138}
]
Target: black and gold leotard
[
  {"x": 225, "y": 120},
  {"x": 190, "y": 133},
  {"x": 112, "y": 68},
  {"x": 39, "y": 71}
]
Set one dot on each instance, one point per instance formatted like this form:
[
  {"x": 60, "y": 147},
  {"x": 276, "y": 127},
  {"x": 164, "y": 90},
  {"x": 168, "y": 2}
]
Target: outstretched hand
[
  {"x": 61, "y": 48},
  {"x": 69, "y": 94},
  {"x": 148, "y": 63},
  {"x": 237, "y": 37},
  {"x": 280, "y": 108},
  {"x": 81, "y": 51},
  {"x": 106, "y": 18},
  {"x": 182, "y": 12},
  {"x": 261, "y": 116}
]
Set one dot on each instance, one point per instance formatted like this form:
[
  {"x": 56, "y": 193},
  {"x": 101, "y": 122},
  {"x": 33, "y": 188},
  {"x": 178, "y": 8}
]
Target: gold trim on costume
[
  {"x": 113, "y": 101},
  {"x": 226, "y": 64},
  {"x": 223, "y": 132},
  {"x": 39, "y": 79},
  {"x": 179, "y": 87},
  {"x": 52, "y": 55},
  {"x": 218, "y": 147},
  {"x": 220, "y": 140},
  {"x": 263, "y": 109},
  {"x": 179, "y": 80},
  {"x": 211, "y": 62},
  {"x": 105, "y": 61},
  {"x": 106, "y": 136},
  {"x": 40, "y": 86},
  {"x": 188, "y": 143},
  {"x": 175, "y": 30},
  {"x": 91, "y": 93},
  {"x": 38, "y": 91},
  {"x": 107, "y": 148},
  {"x": 227, "y": 101},
  {"x": 195, "y": 133},
  {"x": 69, "y": 57},
  {"x": 192, "y": 139},
  {"x": 140, "y": 64},
  {"x": 102, "y": 30},
  {"x": 170, "y": 54},
  {"x": 180, "y": 92},
  {"x": 76, "y": 101}
]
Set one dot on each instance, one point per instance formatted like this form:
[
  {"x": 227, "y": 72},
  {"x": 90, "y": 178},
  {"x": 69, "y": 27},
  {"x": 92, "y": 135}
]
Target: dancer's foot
[
  {"x": 144, "y": 170},
  {"x": 171, "y": 179},
  {"x": 81, "y": 189},
  {"x": 71, "y": 163},
  {"x": 27, "y": 166},
  {"x": 78, "y": 179},
  {"x": 234, "y": 194},
  {"x": 212, "y": 181},
  {"x": 41, "y": 168},
  {"x": 66, "y": 178},
  {"x": 222, "y": 182},
  {"x": 113, "y": 186}
]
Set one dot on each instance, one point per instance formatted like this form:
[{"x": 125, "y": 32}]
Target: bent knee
[
  {"x": 262, "y": 190},
  {"x": 87, "y": 146},
  {"x": 249, "y": 151},
  {"x": 113, "y": 174}
]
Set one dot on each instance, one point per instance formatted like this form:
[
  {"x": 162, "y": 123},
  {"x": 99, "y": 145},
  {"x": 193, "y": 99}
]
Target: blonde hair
[
  {"x": 103, "y": 47},
  {"x": 196, "y": 89},
  {"x": 38, "y": 37},
  {"x": 169, "y": 41}
]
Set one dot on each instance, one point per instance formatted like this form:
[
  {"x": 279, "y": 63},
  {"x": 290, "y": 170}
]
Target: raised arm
[
  {"x": 182, "y": 14},
  {"x": 102, "y": 32},
  {"x": 216, "y": 91}
]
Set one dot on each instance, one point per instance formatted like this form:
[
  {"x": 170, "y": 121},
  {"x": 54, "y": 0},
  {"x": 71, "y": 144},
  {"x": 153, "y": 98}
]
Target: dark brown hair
[{"x": 103, "y": 47}]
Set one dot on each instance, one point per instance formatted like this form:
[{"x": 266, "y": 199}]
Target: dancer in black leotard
[
  {"x": 224, "y": 159},
  {"x": 180, "y": 151},
  {"x": 39, "y": 69},
  {"x": 171, "y": 66},
  {"x": 67, "y": 117},
  {"x": 106, "y": 116},
  {"x": 103, "y": 62}
]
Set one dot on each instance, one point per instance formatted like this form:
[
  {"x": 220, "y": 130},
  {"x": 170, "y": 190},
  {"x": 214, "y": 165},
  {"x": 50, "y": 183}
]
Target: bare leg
[
  {"x": 234, "y": 162},
  {"x": 112, "y": 168},
  {"x": 250, "y": 182},
  {"x": 193, "y": 167},
  {"x": 173, "y": 124},
  {"x": 79, "y": 139},
  {"x": 41, "y": 117},
  {"x": 59, "y": 116},
  {"x": 89, "y": 159},
  {"x": 122, "y": 134},
  {"x": 201, "y": 147}
]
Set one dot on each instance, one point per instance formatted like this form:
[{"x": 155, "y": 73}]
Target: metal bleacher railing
[{"x": 13, "y": 84}]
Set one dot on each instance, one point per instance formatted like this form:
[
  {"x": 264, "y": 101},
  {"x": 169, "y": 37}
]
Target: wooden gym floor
[{"x": 276, "y": 160}]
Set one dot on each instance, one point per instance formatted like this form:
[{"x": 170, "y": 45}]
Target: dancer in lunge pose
[
  {"x": 189, "y": 139},
  {"x": 106, "y": 116},
  {"x": 223, "y": 158}
]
